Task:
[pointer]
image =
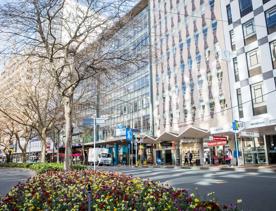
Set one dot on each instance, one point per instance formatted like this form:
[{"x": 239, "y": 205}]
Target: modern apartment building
[{"x": 250, "y": 33}]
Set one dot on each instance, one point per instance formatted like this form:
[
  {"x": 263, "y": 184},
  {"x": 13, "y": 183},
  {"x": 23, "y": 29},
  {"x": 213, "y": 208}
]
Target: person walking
[
  {"x": 229, "y": 157},
  {"x": 186, "y": 159},
  {"x": 190, "y": 157}
]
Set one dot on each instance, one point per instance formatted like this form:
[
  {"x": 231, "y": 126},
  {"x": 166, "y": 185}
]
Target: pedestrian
[
  {"x": 229, "y": 157},
  {"x": 190, "y": 157},
  {"x": 186, "y": 159}
]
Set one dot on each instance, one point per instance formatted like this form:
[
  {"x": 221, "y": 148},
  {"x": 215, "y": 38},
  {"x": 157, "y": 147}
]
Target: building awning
[
  {"x": 110, "y": 140},
  {"x": 193, "y": 132},
  {"x": 166, "y": 136},
  {"x": 147, "y": 140}
]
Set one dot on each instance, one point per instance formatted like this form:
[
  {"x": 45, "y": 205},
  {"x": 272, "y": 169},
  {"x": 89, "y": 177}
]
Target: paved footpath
[
  {"x": 256, "y": 188},
  {"x": 10, "y": 177}
]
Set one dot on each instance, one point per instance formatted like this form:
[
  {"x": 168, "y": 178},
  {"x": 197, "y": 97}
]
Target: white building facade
[{"x": 250, "y": 33}]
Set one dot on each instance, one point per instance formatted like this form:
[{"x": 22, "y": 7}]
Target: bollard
[{"x": 89, "y": 197}]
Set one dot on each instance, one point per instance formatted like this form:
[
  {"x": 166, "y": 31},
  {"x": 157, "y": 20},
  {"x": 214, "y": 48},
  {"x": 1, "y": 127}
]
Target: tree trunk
[
  {"x": 43, "y": 146},
  {"x": 58, "y": 146},
  {"x": 68, "y": 101},
  {"x": 24, "y": 157},
  {"x": 8, "y": 157}
]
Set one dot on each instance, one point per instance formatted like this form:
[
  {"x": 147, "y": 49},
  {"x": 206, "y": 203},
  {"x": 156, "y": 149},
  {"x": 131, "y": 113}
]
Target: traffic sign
[{"x": 129, "y": 134}]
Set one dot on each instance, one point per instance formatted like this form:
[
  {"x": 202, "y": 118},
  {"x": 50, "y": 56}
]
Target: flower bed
[{"x": 68, "y": 191}]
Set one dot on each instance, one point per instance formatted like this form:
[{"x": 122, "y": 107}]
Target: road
[
  {"x": 256, "y": 189},
  {"x": 10, "y": 177}
]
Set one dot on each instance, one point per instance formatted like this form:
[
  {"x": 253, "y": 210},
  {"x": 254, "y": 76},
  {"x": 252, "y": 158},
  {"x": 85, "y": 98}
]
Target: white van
[{"x": 102, "y": 157}]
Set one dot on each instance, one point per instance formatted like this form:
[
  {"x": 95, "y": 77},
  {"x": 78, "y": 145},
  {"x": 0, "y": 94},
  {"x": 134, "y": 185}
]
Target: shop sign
[
  {"x": 257, "y": 123},
  {"x": 272, "y": 121},
  {"x": 216, "y": 143},
  {"x": 219, "y": 138},
  {"x": 249, "y": 134}
]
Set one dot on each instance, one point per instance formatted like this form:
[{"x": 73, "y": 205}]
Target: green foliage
[{"x": 41, "y": 167}]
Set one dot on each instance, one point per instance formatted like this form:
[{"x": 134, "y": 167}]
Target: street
[
  {"x": 10, "y": 177},
  {"x": 256, "y": 189}
]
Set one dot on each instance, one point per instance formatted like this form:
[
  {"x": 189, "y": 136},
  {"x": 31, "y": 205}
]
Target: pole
[
  {"x": 89, "y": 197},
  {"x": 132, "y": 152},
  {"x": 237, "y": 150},
  {"x": 136, "y": 152},
  {"x": 94, "y": 144}
]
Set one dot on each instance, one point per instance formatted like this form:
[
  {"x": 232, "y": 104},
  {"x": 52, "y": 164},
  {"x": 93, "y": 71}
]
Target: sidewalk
[{"x": 248, "y": 168}]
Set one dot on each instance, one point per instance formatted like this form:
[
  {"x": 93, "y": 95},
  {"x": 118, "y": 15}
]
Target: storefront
[
  {"x": 146, "y": 147},
  {"x": 165, "y": 152},
  {"x": 191, "y": 143},
  {"x": 217, "y": 151},
  {"x": 254, "y": 148}
]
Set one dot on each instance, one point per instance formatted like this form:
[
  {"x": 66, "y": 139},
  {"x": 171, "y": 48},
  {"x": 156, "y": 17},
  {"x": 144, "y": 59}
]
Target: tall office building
[{"x": 190, "y": 75}]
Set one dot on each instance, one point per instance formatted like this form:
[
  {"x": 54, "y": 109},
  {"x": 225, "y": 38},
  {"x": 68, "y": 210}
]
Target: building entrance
[
  {"x": 271, "y": 147},
  {"x": 168, "y": 157}
]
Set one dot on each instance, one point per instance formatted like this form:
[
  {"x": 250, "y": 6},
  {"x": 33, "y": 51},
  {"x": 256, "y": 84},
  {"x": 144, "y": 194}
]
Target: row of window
[
  {"x": 253, "y": 62},
  {"x": 245, "y": 8},
  {"x": 257, "y": 96},
  {"x": 249, "y": 27}
]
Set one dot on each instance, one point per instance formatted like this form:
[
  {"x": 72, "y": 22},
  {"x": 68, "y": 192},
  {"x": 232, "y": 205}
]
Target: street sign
[
  {"x": 100, "y": 121},
  {"x": 235, "y": 125},
  {"x": 87, "y": 122},
  {"x": 129, "y": 134}
]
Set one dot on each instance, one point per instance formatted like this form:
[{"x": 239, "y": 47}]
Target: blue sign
[
  {"x": 129, "y": 134},
  {"x": 235, "y": 154},
  {"x": 87, "y": 122},
  {"x": 235, "y": 125}
]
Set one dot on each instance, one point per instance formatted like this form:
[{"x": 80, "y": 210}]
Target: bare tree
[
  {"x": 32, "y": 104},
  {"x": 58, "y": 31},
  {"x": 26, "y": 133},
  {"x": 6, "y": 139}
]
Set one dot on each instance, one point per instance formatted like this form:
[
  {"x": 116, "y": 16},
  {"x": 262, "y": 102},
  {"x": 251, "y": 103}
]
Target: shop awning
[
  {"x": 147, "y": 140},
  {"x": 110, "y": 140},
  {"x": 193, "y": 132},
  {"x": 166, "y": 136}
]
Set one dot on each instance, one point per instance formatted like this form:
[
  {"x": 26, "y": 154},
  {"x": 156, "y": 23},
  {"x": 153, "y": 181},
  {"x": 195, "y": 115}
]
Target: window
[
  {"x": 236, "y": 70},
  {"x": 270, "y": 16},
  {"x": 249, "y": 32},
  {"x": 253, "y": 62},
  {"x": 273, "y": 53},
  {"x": 232, "y": 39},
  {"x": 239, "y": 98},
  {"x": 258, "y": 103},
  {"x": 229, "y": 14},
  {"x": 245, "y": 7}
]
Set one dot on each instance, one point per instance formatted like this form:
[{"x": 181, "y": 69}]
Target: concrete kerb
[{"x": 222, "y": 168}]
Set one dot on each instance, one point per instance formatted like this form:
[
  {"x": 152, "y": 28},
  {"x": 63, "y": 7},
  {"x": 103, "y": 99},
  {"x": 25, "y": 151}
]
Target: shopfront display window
[{"x": 254, "y": 150}]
